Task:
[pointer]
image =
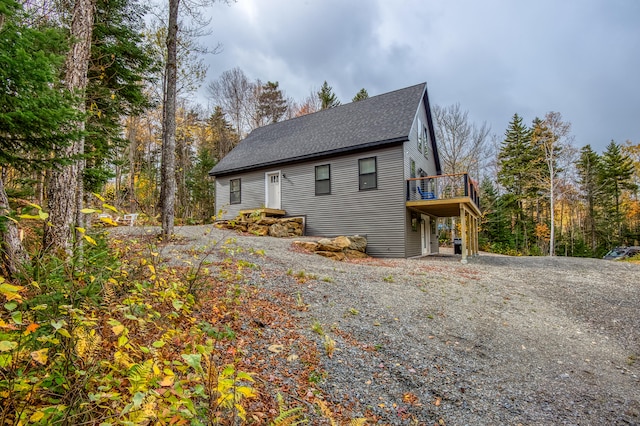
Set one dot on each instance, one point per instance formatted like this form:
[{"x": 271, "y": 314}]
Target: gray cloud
[{"x": 495, "y": 57}]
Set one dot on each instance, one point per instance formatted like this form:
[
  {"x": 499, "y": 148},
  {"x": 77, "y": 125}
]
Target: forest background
[{"x": 137, "y": 133}]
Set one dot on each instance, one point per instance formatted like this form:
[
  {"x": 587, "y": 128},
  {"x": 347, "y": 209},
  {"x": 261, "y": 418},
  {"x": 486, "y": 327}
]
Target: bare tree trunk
[
  {"x": 14, "y": 256},
  {"x": 131, "y": 135},
  {"x": 65, "y": 189},
  {"x": 168, "y": 193}
]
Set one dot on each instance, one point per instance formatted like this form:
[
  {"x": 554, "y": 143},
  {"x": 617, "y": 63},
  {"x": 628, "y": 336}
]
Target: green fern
[
  {"x": 288, "y": 417},
  {"x": 139, "y": 376}
]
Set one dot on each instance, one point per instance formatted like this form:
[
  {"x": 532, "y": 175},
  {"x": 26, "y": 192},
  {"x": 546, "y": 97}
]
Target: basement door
[
  {"x": 425, "y": 231},
  {"x": 272, "y": 195}
]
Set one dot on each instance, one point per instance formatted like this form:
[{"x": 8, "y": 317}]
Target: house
[{"x": 369, "y": 167}]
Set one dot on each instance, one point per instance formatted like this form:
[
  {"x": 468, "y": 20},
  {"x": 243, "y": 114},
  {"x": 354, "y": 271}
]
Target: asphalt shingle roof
[{"x": 375, "y": 121}]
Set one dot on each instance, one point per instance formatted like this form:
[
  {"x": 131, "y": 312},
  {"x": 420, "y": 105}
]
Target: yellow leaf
[
  {"x": 64, "y": 332},
  {"x": 6, "y": 345},
  {"x": 152, "y": 269},
  {"x": 87, "y": 211},
  {"x": 167, "y": 381},
  {"x": 10, "y": 291},
  {"x": 110, "y": 207},
  {"x": 28, "y": 216},
  {"x": 11, "y": 219},
  {"x": 40, "y": 356},
  {"x": 89, "y": 239},
  {"x": 246, "y": 391},
  {"x": 98, "y": 196},
  {"x": 43, "y": 215},
  {"x": 37, "y": 416},
  {"x": 117, "y": 329},
  {"x": 34, "y": 205},
  {"x": 80, "y": 229},
  {"x": 109, "y": 221}
]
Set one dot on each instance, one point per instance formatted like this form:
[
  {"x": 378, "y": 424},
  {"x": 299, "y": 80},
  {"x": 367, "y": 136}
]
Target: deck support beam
[{"x": 464, "y": 231}]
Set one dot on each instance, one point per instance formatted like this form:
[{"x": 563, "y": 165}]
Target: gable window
[
  {"x": 368, "y": 173},
  {"x": 323, "y": 179},
  {"x": 420, "y": 136},
  {"x": 234, "y": 191},
  {"x": 425, "y": 138}
]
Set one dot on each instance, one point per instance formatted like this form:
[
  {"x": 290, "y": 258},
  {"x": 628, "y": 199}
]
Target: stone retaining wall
[{"x": 271, "y": 226}]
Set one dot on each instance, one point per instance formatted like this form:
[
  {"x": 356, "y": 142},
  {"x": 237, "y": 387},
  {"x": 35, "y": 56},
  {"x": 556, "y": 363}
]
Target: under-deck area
[{"x": 448, "y": 196}]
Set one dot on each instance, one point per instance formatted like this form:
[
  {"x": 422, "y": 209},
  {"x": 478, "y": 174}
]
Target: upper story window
[
  {"x": 368, "y": 173},
  {"x": 420, "y": 142},
  {"x": 425, "y": 138},
  {"x": 323, "y": 179},
  {"x": 234, "y": 191}
]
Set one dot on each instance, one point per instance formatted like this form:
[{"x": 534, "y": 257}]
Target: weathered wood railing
[{"x": 442, "y": 187}]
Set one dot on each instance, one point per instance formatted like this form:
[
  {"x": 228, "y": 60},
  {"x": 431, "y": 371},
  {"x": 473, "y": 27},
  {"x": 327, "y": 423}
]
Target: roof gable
[{"x": 375, "y": 121}]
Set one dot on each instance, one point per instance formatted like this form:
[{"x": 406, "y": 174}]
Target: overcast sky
[{"x": 494, "y": 57}]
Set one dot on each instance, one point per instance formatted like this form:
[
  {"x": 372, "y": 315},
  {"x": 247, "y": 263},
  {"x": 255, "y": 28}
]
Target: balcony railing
[{"x": 442, "y": 187}]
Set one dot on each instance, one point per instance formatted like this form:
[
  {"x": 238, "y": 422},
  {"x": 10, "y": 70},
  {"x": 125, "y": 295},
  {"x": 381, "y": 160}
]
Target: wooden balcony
[{"x": 443, "y": 195}]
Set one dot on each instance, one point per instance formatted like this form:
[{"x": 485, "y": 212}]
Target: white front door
[
  {"x": 272, "y": 195},
  {"x": 425, "y": 231}
]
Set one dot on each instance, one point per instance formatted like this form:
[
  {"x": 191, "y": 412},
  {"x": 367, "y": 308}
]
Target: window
[
  {"x": 234, "y": 191},
  {"x": 323, "y": 179},
  {"x": 425, "y": 138},
  {"x": 367, "y": 170},
  {"x": 420, "y": 135}
]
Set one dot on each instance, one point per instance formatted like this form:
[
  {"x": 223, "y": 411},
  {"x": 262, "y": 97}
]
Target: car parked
[{"x": 622, "y": 253}]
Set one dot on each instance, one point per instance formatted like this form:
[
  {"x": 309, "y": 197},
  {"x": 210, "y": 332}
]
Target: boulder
[
  {"x": 307, "y": 245},
  {"x": 326, "y": 244},
  {"x": 279, "y": 230},
  {"x": 266, "y": 221},
  {"x": 336, "y": 255},
  {"x": 342, "y": 242},
  {"x": 355, "y": 254},
  {"x": 260, "y": 230},
  {"x": 358, "y": 243}
]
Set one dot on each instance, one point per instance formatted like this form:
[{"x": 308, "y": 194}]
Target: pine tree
[
  {"x": 362, "y": 94},
  {"x": 515, "y": 166},
  {"x": 120, "y": 61},
  {"x": 36, "y": 115},
  {"x": 617, "y": 173},
  {"x": 327, "y": 98},
  {"x": 271, "y": 103},
  {"x": 589, "y": 167}
]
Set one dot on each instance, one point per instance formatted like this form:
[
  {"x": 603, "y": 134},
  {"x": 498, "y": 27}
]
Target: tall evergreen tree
[
  {"x": 589, "y": 168},
  {"x": 271, "y": 103},
  {"x": 515, "y": 160},
  {"x": 120, "y": 62},
  {"x": 617, "y": 173},
  {"x": 362, "y": 94},
  {"x": 327, "y": 98},
  {"x": 65, "y": 188},
  {"x": 36, "y": 116}
]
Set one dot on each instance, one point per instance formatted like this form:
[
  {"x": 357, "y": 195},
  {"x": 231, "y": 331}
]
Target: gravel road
[{"x": 498, "y": 341}]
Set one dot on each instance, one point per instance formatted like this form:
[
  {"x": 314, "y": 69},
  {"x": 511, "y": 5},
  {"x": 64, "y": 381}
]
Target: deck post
[{"x": 463, "y": 230}]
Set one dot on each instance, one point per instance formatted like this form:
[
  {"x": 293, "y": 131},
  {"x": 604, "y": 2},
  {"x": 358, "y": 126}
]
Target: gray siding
[
  {"x": 251, "y": 196},
  {"x": 380, "y": 213},
  {"x": 413, "y": 239}
]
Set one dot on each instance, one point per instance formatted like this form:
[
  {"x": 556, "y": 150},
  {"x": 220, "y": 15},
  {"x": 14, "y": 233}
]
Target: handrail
[{"x": 442, "y": 187}]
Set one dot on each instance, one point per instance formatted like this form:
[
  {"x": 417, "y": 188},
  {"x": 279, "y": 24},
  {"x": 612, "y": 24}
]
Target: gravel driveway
[{"x": 498, "y": 341}]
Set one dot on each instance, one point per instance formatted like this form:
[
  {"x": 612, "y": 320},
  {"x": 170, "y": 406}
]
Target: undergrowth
[{"x": 118, "y": 336}]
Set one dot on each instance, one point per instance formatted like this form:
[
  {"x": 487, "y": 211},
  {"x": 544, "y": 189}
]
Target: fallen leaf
[
  {"x": 40, "y": 356},
  {"x": 437, "y": 401},
  {"x": 275, "y": 348},
  {"x": 31, "y": 328}
]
